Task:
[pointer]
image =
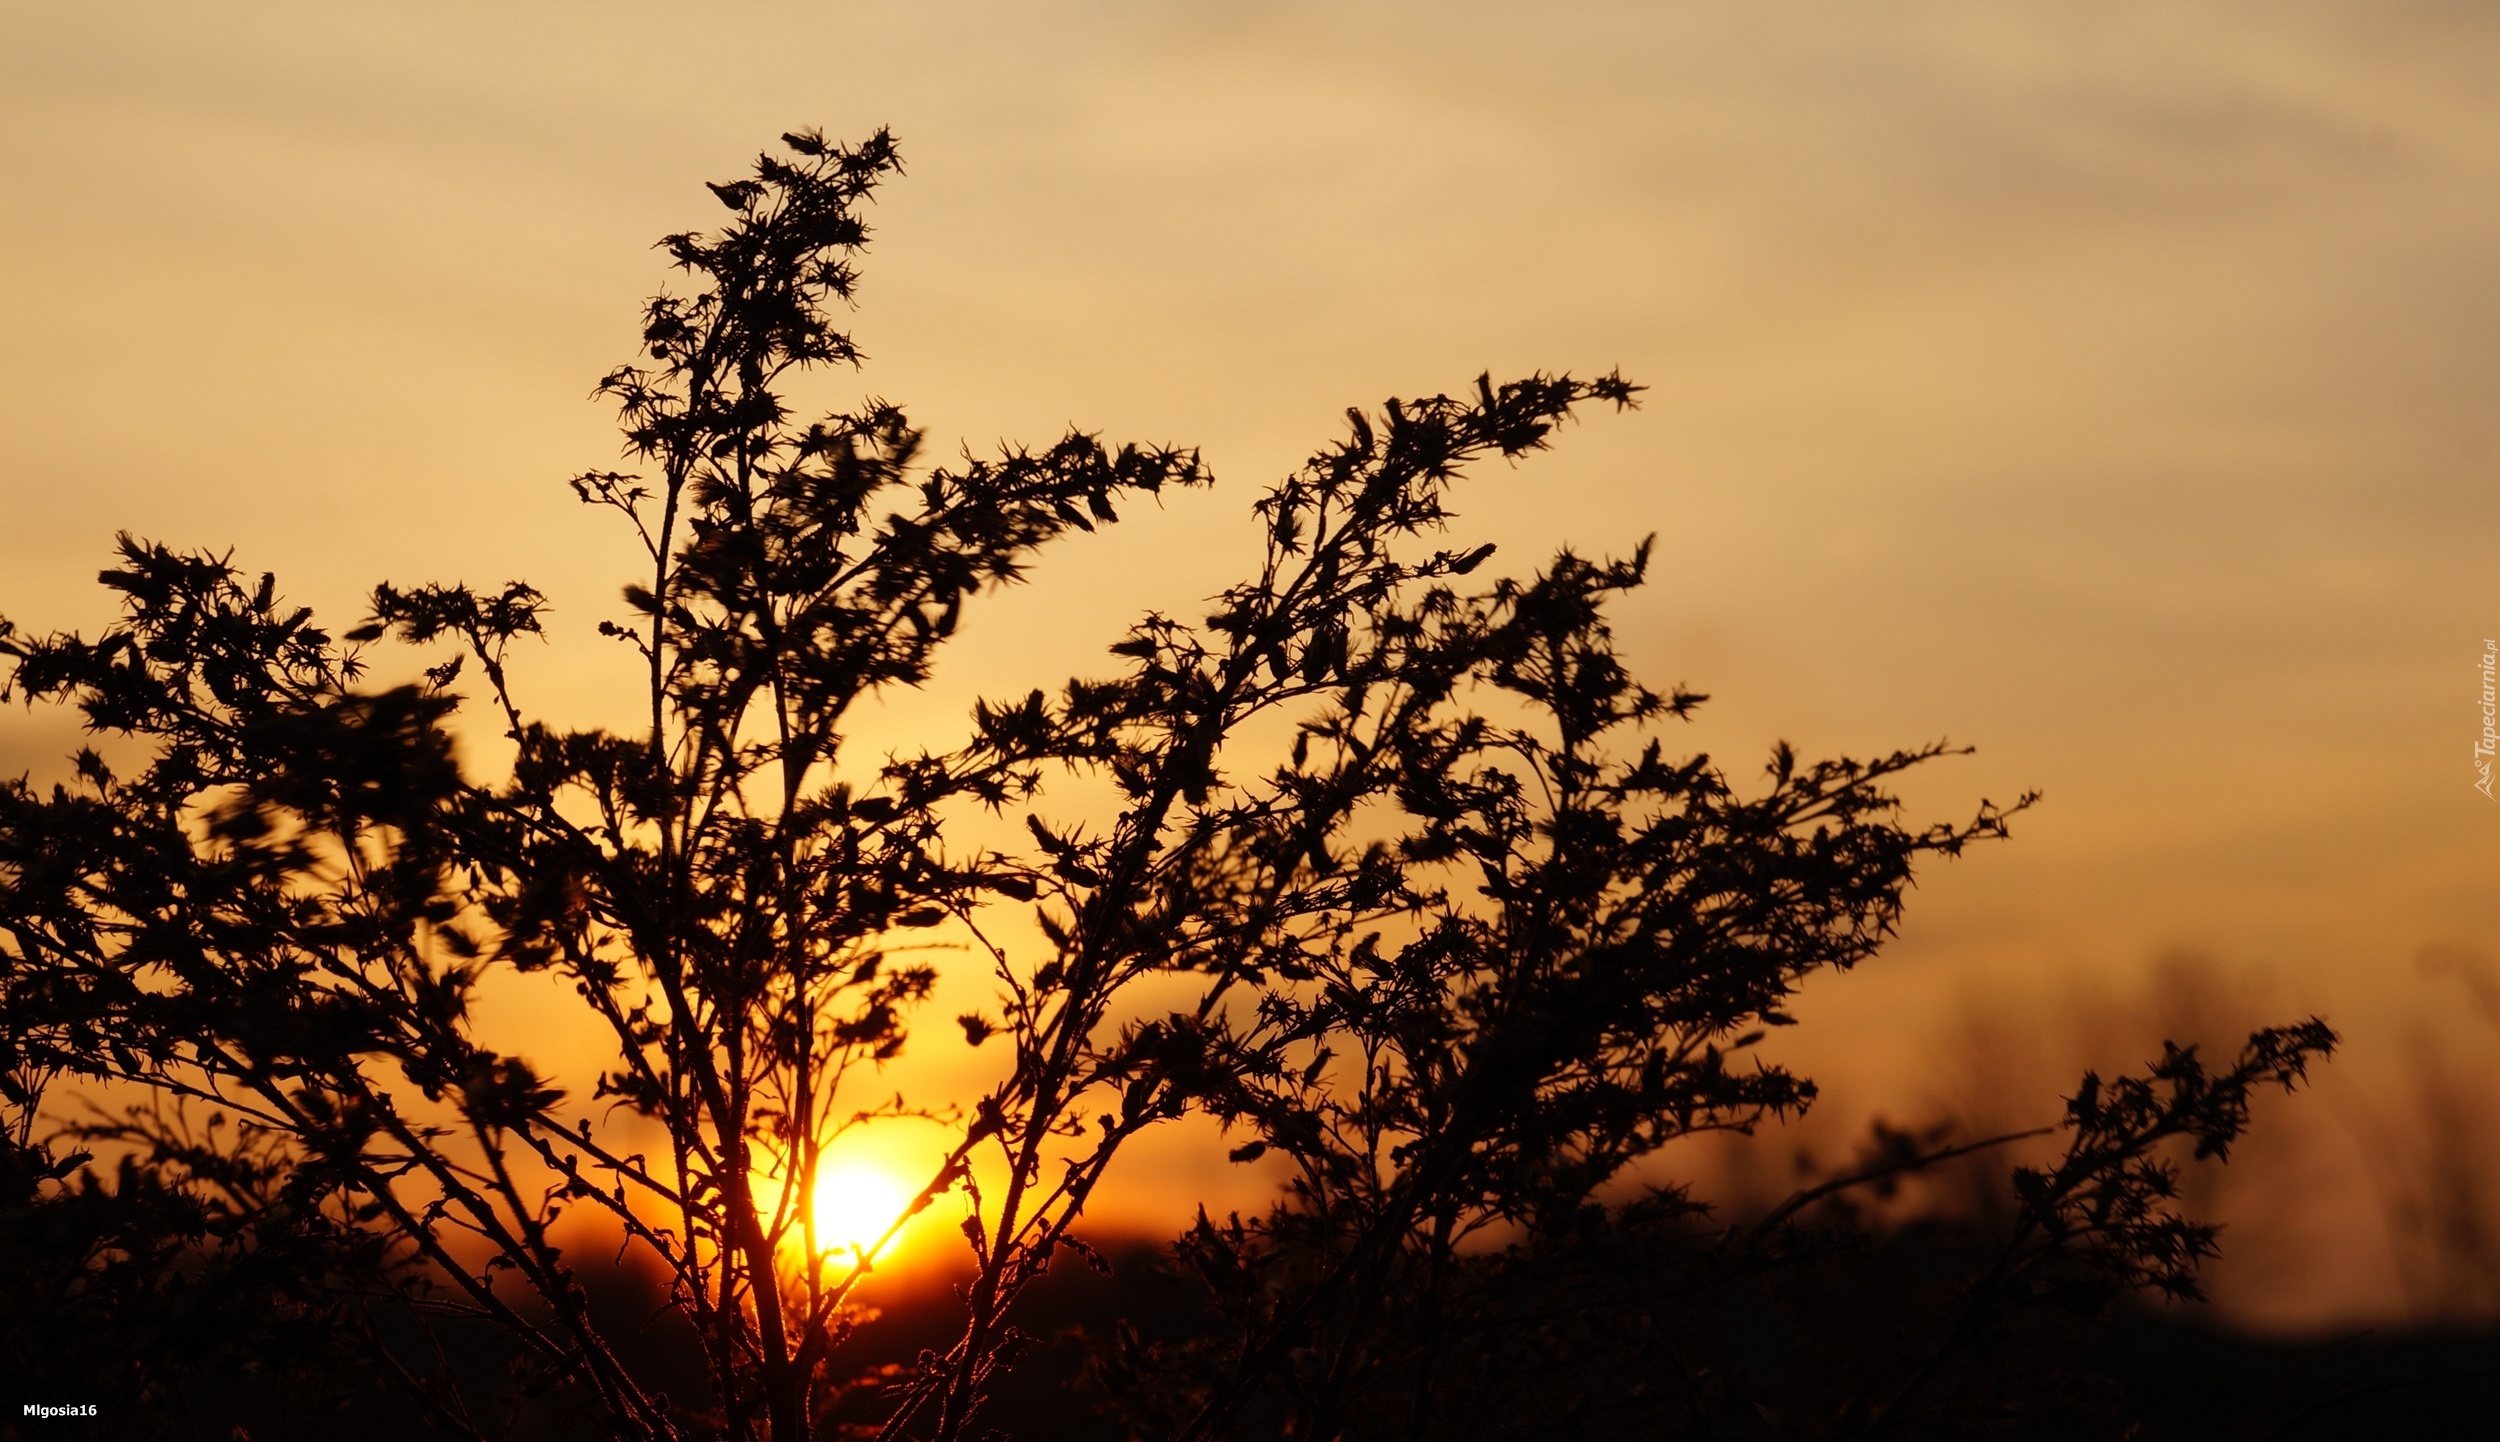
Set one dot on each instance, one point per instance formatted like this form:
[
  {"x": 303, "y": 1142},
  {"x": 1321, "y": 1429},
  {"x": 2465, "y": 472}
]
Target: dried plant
[{"x": 1468, "y": 942}]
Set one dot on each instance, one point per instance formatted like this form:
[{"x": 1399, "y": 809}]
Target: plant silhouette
[{"x": 1467, "y": 943}]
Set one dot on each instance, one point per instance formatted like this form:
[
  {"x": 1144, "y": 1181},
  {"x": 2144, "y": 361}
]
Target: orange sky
[{"x": 2108, "y": 385}]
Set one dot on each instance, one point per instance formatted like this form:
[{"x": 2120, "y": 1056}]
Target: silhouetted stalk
[{"x": 1474, "y": 870}]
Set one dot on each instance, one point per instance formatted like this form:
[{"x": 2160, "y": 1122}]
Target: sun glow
[{"x": 855, "y": 1204}]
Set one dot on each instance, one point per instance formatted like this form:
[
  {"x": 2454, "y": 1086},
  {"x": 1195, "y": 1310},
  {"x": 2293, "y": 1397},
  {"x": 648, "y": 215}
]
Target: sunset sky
[{"x": 2109, "y": 386}]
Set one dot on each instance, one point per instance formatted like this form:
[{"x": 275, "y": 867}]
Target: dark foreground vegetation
[
  {"x": 1464, "y": 941},
  {"x": 2166, "y": 1374}
]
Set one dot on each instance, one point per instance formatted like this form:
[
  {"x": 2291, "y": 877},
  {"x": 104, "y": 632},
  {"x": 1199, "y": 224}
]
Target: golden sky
[{"x": 2109, "y": 385}]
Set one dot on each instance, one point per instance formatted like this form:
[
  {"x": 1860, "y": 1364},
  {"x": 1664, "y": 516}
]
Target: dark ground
[{"x": 2183, "y": 1377}]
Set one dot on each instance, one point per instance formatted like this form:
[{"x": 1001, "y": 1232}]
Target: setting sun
[{"x": 855, "y": 1204}]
